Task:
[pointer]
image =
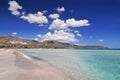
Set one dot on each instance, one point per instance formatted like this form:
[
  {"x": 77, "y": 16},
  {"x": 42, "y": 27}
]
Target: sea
[{"x": 81, "y": 64}]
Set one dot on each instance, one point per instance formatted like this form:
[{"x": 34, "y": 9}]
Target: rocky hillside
[
  {"x": 14, "y": 42},
  {"x": 56, "y": 44}
]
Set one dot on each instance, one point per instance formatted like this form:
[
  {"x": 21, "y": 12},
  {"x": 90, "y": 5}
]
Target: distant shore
[
  {"x": 17, "y": 66},
  {"x": 15, "y": 42}
]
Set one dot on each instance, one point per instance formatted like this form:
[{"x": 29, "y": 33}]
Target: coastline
[{"x": 17, "y": 66}]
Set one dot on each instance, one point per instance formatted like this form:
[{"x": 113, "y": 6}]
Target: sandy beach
[{"x": 16, "y": 66}]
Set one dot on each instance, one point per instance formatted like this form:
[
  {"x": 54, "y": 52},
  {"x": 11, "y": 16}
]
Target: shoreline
[{"x": 17, "y": 66}]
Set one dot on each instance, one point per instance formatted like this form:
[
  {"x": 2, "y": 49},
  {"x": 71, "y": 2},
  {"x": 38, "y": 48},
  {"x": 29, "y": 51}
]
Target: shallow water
[{"x": 82, "y": 64}]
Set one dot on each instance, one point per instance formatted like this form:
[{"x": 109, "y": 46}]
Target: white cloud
[
  {"x": 60, "y": 9},
  {"x": 39, "y": 35},
  {"x": 14, "y": 7},
  {"x": 101, "y": 40},
  {"x": 77, "y": 23},
  {"x": 23, "y": 13},
  {"x": 62, "y": 28},
  {"x": 76, "y": 31},
  {"x": 68, "y": 30},
  {"x": 36, "y": 39},
  {"x": 14, "y": 33},
  {"x": 79, "y": 35},
  {"x": 61, "y": 36},
  {"x": 54, "y": 16},
  {"x": 44, "y": 11},
  {"x": 38, "y": 18},
  {"x": 58, "y": 24}
]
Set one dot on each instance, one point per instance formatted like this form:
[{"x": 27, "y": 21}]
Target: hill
[{"x": 14, "y": 42}]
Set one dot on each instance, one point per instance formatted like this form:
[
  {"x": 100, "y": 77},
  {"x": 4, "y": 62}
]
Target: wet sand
[{"x": 16, "y": 66}]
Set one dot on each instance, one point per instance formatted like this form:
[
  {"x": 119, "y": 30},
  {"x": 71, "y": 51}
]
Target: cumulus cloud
[
  {"x": 14, "y": 33},
  {"x": 58, "y": 24},
  {"x": 77, "y": 23},
  {"x": 60, "y": 9},
  {"x": 23, "y": 13},
  {"x": 54, "y": 16},
  {"x": 68, "y": 30},
  {"x": 61, "y": 36},
  {"x": 36, "y": 39},
  {"x": 79, "y": 35},
  {"x": 39, "y": 35},
  {"x": 38, "y": 18},
  {"x": 62, "y": 28},
  {"x": 101, "y": 40},
  {"x": 44, "y": 11},
  {"x": 14, "y": 7},
  {"x": 76, "y": 31}
]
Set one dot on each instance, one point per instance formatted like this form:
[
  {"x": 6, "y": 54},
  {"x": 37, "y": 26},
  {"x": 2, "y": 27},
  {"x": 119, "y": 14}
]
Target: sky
[{"x": 84, "y": 22}]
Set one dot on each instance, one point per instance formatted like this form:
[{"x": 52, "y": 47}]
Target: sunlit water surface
[{"x": 81, "y": 64}]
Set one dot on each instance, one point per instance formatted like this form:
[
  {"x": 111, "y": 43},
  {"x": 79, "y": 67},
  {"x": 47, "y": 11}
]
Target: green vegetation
[{"x": 2, "y": 46}]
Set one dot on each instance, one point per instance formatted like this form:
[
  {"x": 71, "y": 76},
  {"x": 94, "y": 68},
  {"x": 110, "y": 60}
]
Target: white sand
[{"x": 15, "y": 66}]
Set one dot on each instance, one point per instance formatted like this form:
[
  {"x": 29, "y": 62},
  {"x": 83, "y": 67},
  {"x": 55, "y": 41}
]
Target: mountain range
[{"x": 14, "y": 42}]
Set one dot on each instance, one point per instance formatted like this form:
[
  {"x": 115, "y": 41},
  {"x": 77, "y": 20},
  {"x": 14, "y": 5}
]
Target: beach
[
  {"x": 14, "y": 65},
  {"x": 59, "y": 64}
]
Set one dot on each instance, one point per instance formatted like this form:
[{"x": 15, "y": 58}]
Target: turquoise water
[{"x": 82, "y": 64}]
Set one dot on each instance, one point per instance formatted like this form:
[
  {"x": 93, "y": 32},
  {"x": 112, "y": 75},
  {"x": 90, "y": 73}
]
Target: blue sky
[{"x": 86, "y": 22}]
